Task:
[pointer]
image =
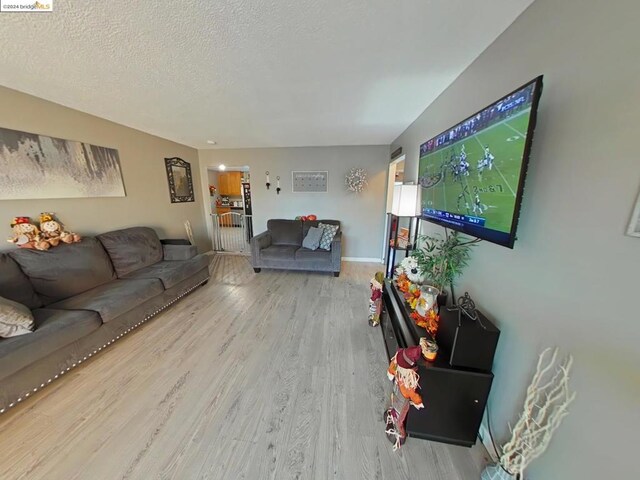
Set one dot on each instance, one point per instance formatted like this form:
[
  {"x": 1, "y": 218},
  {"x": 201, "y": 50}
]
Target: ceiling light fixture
[
  {"x": 211, "y": 142},
  {"x": 222, "y": 166}
]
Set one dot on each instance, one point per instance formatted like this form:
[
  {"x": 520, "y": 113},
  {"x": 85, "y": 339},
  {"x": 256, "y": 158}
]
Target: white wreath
[{"x": 356, "y": 180}]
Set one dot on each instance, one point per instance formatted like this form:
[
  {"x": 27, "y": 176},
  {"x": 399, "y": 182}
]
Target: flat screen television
[{"x": 472, "y": 174}]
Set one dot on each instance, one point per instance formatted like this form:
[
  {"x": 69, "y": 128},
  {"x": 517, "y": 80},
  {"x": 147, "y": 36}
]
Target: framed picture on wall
[
  {"x": 180, "y": 181},
  {"x": 634, "y": 224},
  {"x": 38, "y": 166},
  {"x": 309, "y": 181}
]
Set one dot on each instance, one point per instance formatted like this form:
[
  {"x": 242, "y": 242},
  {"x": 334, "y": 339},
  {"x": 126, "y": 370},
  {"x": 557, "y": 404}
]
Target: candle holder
[
  {"x": 278, "y": 185},
  {"x": 268, "y": 184}
]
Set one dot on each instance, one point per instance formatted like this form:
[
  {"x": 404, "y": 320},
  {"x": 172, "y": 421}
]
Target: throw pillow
[
  {"x": 15, "y": 319},
  {"x": 312, "y": 240},
  {"x": 328, "y": 232}
]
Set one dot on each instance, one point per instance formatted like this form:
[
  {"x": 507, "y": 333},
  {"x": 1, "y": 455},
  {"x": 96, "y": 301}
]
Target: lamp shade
[{"x": 406, "y": 201}]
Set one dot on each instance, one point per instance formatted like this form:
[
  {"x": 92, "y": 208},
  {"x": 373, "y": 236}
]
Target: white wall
[
  {"x": 573, "y": 278},
  {"x": 362, "y": 215}
]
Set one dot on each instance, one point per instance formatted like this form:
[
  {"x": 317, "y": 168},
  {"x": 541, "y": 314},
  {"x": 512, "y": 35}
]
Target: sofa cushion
[
  {"x": 15, "y": 285},
  {"x": 54, "y": 329},
  {"x": 285, "y": 232},
  {"x": 179, "y": 252},
  {"x": 312, "y": 238},
  {"x": 327, "y": 235},
  {"x": 279, "y": 252},
  {"x": 304, "y": 254},
  {"x": 15, "y": 318},
  {"x": 172, "y": 272},
  {"x": 315, "y": 223},
  {"x": 131, "y": 249},
  {"x": 65, "y": 270},
  {"x": 114, "y": 298}
]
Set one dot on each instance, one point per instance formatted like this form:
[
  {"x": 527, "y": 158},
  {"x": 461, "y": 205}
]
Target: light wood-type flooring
[{"x": 268, "y": 376}]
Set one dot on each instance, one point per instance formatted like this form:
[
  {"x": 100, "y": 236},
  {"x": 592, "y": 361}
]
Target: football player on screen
[
  {"x": 478, "y": 207},
  {"x": 463, "y": 196},
  {"x": 488, "y": 158},
  {"x": 463, "y": 167},
  {"x": 485, "y": 162}
]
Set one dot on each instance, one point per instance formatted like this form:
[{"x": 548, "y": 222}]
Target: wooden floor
[{"x": 268, "y": 376}]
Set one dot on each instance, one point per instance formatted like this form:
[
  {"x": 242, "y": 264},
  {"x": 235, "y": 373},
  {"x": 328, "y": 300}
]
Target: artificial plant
[{"x": 443, "y": 258}]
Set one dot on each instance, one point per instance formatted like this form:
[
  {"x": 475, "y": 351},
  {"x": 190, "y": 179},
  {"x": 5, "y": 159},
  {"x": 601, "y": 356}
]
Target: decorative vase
[
  {"x": 496, "y": 472},
  {"x": 430, "y": 295}
]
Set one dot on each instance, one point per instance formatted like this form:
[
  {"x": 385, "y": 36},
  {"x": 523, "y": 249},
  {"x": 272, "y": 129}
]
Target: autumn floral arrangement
[
  {"x": 422, "y": 308},
  {"x": 428, "y": 321}
]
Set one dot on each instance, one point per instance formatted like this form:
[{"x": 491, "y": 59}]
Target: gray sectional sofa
[
  {"x": 281, "y": 247},
  {"x": 84, "y": 297}
]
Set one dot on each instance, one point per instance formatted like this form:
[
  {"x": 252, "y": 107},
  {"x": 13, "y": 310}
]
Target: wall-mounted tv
[{"x": 472, "y": 174}]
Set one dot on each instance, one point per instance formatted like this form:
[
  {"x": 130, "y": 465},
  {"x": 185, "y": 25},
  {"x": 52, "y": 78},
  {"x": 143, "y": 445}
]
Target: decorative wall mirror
[{"x": 180, "y": 181}]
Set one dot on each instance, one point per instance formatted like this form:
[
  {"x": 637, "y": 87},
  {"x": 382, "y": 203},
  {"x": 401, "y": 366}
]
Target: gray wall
[
  {"x": 362, "y": 215},
  {"x": 142, "y": 162},
  {"x": 572, "y": 280}
]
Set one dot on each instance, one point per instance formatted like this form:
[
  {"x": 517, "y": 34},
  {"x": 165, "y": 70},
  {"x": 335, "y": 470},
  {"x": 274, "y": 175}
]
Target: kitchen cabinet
[
  {"x": 230, "y": 183},
  {"x": 223, "y": 184},
  {"x": 235, "y": 183}
]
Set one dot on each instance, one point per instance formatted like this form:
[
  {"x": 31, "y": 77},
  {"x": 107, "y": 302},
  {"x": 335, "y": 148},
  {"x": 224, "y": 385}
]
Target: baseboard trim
[{"x": 362, "y": 259}]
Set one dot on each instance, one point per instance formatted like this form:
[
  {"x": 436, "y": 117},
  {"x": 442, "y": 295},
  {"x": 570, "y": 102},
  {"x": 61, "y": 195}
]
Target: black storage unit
[
  {"x": 454, "y": 397},
  {"x": 248, "y": 209},
  {"x": 469, "y": 343}
]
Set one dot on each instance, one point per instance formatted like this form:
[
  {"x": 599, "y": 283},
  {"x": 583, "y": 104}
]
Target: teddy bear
[
  {"x": 53, "y": 232},
  {"x": 26, "y": 234}
]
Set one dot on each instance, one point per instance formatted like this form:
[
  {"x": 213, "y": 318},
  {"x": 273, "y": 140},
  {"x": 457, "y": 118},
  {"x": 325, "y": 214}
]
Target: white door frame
[
  {"x": 210, "y": 211},
  {"x": 391, "y": 180}
]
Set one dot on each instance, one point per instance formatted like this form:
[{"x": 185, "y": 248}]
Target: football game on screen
[{"x": 470, "y": 174}]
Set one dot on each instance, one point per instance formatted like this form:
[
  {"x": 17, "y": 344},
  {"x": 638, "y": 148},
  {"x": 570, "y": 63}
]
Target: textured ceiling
[{"x": 251, "y": 73}]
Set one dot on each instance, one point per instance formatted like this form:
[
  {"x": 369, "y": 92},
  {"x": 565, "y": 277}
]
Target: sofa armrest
[
  {"x": 259, "y": 242},
  {"x": 179, "y": 252},
  {"x": 175, "y": 241},
  {"x": 336, "y": 252}
]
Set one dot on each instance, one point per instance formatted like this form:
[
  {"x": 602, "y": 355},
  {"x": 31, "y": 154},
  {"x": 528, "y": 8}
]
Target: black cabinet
[
  {"x": 454, "y": 403},
  {"x": 454, "y": 397}
]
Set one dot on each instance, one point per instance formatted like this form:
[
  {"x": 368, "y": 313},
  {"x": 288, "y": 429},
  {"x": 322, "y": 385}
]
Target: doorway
[{"x": 230, "y": 207}]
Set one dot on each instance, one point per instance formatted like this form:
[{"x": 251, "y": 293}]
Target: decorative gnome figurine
[
  {"x": 402, "y": 372},
  {"x": 26, "y": 234},
  {"x": 375, "y": 302},
  {"x": 53, "y": 231}
]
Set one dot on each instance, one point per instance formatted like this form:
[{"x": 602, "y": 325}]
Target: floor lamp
[{"x": 405, "y": 204}]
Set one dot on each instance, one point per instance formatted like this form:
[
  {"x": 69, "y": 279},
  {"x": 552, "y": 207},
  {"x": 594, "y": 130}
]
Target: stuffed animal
[
  {"x": 402, "y": 372},
  {"x": 304, "y": 218},
  {"x": 50, "y": 229},
  {"x": 26, "y": 234},
  {"x": 375, "y": 302},
  {"x": 53, "y": 232}
]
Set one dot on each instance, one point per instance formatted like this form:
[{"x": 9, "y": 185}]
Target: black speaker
[{"x": 468, "y": 343}]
